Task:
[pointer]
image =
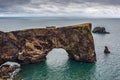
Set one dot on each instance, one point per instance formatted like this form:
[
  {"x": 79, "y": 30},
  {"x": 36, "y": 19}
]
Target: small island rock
[
  {"x": 100, "y": 30},
  {"x": 106, "y": 50}
]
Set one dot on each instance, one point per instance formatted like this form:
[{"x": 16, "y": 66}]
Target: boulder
[
  {"x": 100, "y": 30},
  {"x": 9, "y": 70}
]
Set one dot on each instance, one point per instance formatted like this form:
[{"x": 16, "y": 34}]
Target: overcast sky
[{"x": 84, "y": 8}]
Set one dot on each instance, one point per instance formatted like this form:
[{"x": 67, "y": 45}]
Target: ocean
[{"x": 58, "y": 66}]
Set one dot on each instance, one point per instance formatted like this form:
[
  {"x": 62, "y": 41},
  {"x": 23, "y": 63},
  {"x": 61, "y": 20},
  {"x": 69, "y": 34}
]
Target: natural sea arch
[
  {"x": 58, "y": 66},
  {"x": 33, "y": 45}
]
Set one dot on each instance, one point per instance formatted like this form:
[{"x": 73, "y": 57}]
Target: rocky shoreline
[{"x": 9, "y": 70}]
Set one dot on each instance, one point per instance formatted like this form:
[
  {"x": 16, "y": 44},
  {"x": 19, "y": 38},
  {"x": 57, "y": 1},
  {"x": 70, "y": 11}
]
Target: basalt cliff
[{"x": 32, "y": 45}]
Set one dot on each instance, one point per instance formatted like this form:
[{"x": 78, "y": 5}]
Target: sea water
[{"x": 58, "y": 66}]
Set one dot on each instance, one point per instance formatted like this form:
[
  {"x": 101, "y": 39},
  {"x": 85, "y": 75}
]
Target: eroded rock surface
[
  {"x": 9, "y": 70},
  {"x": 32, "y": 45}
]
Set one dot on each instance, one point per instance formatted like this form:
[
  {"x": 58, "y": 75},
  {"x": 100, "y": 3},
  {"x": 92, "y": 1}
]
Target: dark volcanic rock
[
  {"x": 106, "y": 50},
  {"x": 32, "y": 45},
  {"x": 101, "y": 30}
]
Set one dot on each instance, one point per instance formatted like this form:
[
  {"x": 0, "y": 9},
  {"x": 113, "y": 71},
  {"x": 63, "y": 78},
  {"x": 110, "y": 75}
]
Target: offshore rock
[
  {"x": 100, "y": 30},
  {"x": 106, "y": 50},
  {"x": 9, "y": 70},
  {"x": 32, "y": 45}
]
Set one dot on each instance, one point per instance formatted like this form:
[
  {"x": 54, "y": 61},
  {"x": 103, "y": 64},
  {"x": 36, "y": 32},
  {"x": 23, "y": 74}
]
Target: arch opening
[{"x": 57, "y": 57}]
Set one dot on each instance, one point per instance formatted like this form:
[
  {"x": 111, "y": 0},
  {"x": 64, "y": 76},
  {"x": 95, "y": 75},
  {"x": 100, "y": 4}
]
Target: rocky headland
[{"x": 32, "y": 45}]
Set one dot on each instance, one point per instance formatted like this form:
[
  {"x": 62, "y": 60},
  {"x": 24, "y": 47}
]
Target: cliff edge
[{"x": 32, "y": 45}]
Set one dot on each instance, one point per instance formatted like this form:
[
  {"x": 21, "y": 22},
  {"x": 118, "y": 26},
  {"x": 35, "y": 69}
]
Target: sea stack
[
  {"x": 106, "y": 50},
  {"x": 100, "y": 30},
  {"x": 32, "y": 45}
]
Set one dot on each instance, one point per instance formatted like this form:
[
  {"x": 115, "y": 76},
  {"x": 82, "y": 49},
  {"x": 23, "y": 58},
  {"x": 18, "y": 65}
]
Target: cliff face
[{"x": 32, "y": 45}]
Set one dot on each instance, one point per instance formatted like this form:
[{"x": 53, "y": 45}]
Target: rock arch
[{"x": 32, "y": 45}]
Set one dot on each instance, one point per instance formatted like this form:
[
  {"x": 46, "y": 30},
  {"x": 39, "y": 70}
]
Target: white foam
[{"x": 11, "y": 64}]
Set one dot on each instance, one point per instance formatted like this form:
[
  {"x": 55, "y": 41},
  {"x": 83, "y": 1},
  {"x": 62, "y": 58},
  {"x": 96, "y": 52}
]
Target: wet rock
[
  {"x": 9, "y": 70},
  {"x": 106, "y": 50},
  {"x": 100, "y": 30},
  {"x": 32, "y": 45}
]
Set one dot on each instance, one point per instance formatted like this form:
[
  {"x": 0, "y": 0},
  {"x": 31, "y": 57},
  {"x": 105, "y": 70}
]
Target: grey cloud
[
  {"x": 61, "y": 4},
  {"x": 26, "y": 6},
  {"x": 9, "y": 3},
  {"x": 10, "y": 6},
  {"x": 105, "y": 2},
  {"x": 67, "y": 2}
]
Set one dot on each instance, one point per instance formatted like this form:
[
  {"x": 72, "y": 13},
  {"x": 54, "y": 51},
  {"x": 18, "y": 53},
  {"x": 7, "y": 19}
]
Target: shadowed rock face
[{"x": 32, "y": 45}]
